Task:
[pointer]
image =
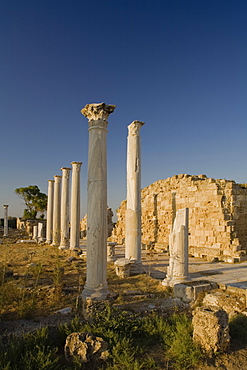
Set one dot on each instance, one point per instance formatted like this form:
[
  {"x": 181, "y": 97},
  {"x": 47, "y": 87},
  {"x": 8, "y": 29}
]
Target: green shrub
[
  {"x": 30, "y": 352},
  {"x": 238, "y": 329},
  {"x": 179, "y": 344}
]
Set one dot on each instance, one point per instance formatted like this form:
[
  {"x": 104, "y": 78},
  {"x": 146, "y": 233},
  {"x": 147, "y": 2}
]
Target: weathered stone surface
[
  {"x": 210, "y": 329},
  {"x": 189, "y": 292},
  {"x": 85, "y": 347},
  {"x": 133, "y": 204},
  {"x": 217, "y": 216},
  {"x": 122, "y": 266},
  {"x": 177, "y": 271},
  {"x": 83, "y": 224},
  {"x": 231, "y": 303},
  {"x": 96, "y": 281}
]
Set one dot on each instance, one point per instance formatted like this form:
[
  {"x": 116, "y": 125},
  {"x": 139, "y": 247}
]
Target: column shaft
[
  {"x": 57, "y": 210},
  {"x": 96, "y": 283},
  {"x": 64, "y": 241},
  {"x": 5, "y": 227},
  {"x": 133, "y": 210},
  {"x": 75, "y": 206},
  {"x": 49, "y": 221}
]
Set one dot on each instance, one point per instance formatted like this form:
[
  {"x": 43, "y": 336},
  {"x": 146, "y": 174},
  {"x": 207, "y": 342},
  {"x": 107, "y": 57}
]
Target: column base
[
  {"x": 74, "y": 248},
  {"x": 136, "y": 268},
  {"x": 62, "y": 247},
  {"x": 97, "y": 294},
  {"x": 170, "y": 281}
]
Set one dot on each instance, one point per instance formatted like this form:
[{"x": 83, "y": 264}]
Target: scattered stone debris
[{"x": 86, "y": 348}]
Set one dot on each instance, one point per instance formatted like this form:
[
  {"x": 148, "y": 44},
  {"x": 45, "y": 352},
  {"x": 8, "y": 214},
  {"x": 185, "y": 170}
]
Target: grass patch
[{"x": 129, "y": 338}]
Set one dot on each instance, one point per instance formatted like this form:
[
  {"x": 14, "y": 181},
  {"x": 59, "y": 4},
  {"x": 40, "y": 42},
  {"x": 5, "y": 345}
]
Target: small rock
[
  {"x": 86, "y": 348},
  {"x": 32, "y": 264},
  {"x": 64, "y": 311}
]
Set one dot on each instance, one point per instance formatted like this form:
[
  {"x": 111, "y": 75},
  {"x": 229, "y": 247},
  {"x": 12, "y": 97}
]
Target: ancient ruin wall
[{"x": 217, "y": 215}]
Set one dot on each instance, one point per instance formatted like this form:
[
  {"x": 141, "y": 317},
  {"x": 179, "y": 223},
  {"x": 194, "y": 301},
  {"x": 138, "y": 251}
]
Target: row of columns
[{"x": 57, "y": 229}]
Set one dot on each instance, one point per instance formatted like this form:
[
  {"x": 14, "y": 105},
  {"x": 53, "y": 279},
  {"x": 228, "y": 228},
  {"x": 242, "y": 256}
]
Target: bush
[{"x": 238, "y": 329}]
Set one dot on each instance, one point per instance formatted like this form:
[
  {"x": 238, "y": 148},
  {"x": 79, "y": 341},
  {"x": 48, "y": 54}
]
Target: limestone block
[
  {"x": 86, "y": 348},
  {"x": 122, "y": 266},
  {"x": 210, "y": 329}
]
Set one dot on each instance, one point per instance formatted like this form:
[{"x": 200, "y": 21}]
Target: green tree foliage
[{"x": 35, "y": 201}]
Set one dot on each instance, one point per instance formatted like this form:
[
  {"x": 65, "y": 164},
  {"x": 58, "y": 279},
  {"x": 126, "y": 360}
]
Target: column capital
[
  {"x": 51, "y": 180},
  {"x": 65, "y": 171},
  {"x": 57, "y": 179},
  {"x": 134, "y": 127},
  {"x": 97, "y": 114},
  {"x": 6, "y": 205},
  {"x": 76, "y": 166}
]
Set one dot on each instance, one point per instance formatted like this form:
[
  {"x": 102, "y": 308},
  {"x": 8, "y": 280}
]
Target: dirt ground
[{"x": 62, "y": 275}]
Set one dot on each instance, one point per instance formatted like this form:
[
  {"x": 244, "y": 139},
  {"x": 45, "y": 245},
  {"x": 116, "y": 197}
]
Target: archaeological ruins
[{"x": 217, "y": 216}]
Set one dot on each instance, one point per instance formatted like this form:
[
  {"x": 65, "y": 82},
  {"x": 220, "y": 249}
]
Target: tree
[{"x": 35, "y": 201}]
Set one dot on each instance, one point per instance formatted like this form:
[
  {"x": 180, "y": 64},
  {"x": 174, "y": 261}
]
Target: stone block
[
  {"x": 211, "y": 329},
  {"x": 184, "y": 292},
  {"x": 122, "y": 266}
]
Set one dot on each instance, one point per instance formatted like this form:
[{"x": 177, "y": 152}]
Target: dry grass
[{"x": 37, "y": 279}]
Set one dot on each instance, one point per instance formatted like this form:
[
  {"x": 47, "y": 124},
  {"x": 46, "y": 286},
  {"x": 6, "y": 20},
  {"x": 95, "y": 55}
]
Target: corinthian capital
[
  {"x": 66, "y": 171},
  {"x": 76, "y": 166},
  {"x": 57, "y": 179},
  {"x": 97, "y": 114},
  {"x": 134, "y": 127}
]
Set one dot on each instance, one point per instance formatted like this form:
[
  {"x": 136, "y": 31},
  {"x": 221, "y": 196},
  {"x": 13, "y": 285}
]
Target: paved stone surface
[{"x": 224, "y": 273}]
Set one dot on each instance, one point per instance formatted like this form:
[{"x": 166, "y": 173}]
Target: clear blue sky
[{"x": 178, "y": 65}]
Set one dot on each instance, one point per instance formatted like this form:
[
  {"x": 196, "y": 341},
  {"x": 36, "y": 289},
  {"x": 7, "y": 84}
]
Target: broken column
[
  {"x": 49, "y": 221},
  {"x": 5, "y": 227},
  {"x": 40, "y": 232},
  {"x": 57, "y": 211},
  {"x": 75, "y": 206},
  {"x": 133, "y": 210},
  {"x": 177, "y": 271},
  {"x": 64, "y": 240},
  {"x": 96, "y": 284},
  {"x": 35, "y": 232}
]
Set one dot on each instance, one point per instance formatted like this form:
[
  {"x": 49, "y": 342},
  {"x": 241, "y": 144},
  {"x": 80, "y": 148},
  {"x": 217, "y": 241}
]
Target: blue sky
[{"x": 178, "y": 65}]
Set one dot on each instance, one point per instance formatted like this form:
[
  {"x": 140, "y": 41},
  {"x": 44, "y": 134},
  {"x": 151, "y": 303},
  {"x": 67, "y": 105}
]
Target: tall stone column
[
  {"x": 75, "y": 206},
  {"x": 49, "y": 221},
  {"x": 96, "y": 284},
  {"x": 133, "y": 210},
  {"x": 5, "y": 227},
  {"x": 64, "y": 241},
  {"x": 177, "y": 271},
  {"x": 57, "y": 211}
]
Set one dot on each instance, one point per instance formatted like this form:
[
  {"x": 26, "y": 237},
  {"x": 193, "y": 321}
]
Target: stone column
[
  {"x": 64, "y": 241},
  {"x": 35, "y": 233},
  {"x": 49, "y": 221},
  {"x": 96, "y": 284},
  {"x": 133, "y": 208},
  {"x": 40, "y": 232},
  {"x": 75, "y": 206},
  {"x": 6, "y": 227},
  {"x": 177, "y": 271},
  {"x": 57, "y": 211}
]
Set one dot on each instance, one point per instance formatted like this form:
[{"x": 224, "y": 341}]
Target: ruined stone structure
[
  {"x": 217, "y": 216},
  {"x": 83, "y": 224}
]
